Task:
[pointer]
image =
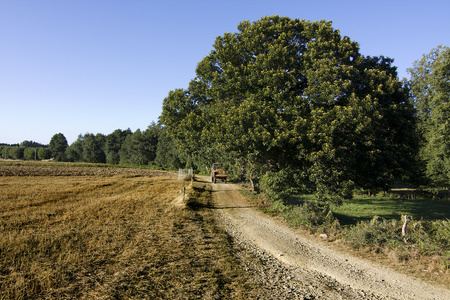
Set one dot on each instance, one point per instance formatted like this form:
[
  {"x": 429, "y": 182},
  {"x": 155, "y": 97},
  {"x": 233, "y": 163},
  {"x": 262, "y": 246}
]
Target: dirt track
[{"x": 297, "y": 267}]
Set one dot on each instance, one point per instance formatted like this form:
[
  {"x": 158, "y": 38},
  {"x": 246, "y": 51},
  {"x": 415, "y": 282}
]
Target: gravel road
[{"x": 290, "y": 265}]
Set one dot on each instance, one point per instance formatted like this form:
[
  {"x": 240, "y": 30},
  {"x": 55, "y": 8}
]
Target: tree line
[
  {"x": 291, "y": 106},
  {"x": 26, "y": 150},
  {"x": 148, "y": 147}
]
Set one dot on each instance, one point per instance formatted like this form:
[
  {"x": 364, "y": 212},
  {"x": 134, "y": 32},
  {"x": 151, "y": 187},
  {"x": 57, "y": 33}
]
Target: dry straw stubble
[{"x": 109, "y": 236}]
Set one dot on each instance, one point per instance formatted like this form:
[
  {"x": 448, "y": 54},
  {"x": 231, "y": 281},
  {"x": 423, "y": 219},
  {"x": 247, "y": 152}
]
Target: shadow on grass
[{"x": 299, "y": 199}]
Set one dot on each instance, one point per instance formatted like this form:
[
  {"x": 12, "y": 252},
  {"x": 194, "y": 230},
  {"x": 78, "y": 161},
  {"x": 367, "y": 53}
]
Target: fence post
[
  {"x": 183, "y": 193},
  {"x": 404, "y": 229}
]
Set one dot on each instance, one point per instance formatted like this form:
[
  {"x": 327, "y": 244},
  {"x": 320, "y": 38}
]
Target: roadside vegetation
[
  {"x": 110, "y": 235},
  {"x": 372, "y": 226}
]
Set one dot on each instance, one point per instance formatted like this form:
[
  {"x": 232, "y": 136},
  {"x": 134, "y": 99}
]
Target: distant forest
[{"x": 150, "y": 146}]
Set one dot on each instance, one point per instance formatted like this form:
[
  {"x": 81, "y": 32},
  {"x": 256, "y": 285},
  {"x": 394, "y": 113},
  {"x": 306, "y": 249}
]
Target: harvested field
[{"x": 95, "y": 233}]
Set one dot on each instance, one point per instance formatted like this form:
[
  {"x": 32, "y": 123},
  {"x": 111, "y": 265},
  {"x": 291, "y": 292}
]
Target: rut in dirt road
[{"x": 325, "y": 273}]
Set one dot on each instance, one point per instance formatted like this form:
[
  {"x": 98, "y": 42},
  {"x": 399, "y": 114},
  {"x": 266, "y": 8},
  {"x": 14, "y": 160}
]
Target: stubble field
[{"x": 84, "y": 233}]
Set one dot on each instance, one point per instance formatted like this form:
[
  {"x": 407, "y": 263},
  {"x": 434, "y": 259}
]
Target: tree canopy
[
  {"x": 294, "y": 105},
  {"x": 430, "y": 90},
  {"x": 58, "y": 145}
]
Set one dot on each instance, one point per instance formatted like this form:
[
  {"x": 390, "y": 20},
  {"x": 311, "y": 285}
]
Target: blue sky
[{"x": 93, "y": 66}]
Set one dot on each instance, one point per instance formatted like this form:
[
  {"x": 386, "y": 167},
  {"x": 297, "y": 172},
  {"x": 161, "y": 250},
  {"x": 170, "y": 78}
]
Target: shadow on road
[{"x": 232, "y": 207}]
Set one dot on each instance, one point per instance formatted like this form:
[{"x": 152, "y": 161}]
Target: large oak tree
[{"x": 296, "y": 106}]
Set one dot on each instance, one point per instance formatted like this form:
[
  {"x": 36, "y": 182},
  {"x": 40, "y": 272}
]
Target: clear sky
[{"x": 94, "y": 66}]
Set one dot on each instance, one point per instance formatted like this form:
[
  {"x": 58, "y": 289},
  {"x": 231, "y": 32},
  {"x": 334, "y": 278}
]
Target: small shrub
[
  {"x": 441, "y": 233},
  {"x": 313, "y": 215},
  {"x": 446, "y": 259},
  {"x": 376, "y": 233},
  {"x": 280, "y": 207},
  {"x": 431, "y": 237},
  {"x": 277, "y": 185}
]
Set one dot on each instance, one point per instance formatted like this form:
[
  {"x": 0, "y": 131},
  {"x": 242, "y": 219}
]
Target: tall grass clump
[
  {"x": 432, "y": 238},
  {"x": 377, "y": 232}
]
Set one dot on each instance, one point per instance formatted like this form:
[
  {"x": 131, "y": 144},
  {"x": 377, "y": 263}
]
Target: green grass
[
  {"x": 365, "y": 208},
  {"x": 393, "y": 206}
]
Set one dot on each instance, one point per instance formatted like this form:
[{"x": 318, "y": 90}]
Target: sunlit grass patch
[{"x": 365, "y": 208}]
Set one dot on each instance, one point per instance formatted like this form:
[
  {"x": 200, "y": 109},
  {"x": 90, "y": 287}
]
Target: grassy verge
[
  {"x": 111, "y": 237},
  {"x": 374, "y": 224},
  {"x": 362, "y": 208},
  {"x": 372, "y": 227}
]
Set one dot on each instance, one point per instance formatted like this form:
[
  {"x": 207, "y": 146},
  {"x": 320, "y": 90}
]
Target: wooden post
[{"x": 404, "y": 228}]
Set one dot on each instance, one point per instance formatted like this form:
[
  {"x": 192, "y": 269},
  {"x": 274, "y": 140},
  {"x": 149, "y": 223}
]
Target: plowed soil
[{"x": 37, "y": 170}]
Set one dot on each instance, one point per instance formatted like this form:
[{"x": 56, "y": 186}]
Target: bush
[
  {"x": 378, "y": 232},
  {"x": 313, "y": 215},
  {"x": 431, "y": 237},
  {"x": 277, "y": 186}
]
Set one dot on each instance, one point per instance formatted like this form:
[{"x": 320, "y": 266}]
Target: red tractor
[{"x": 218, "y": 172}]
